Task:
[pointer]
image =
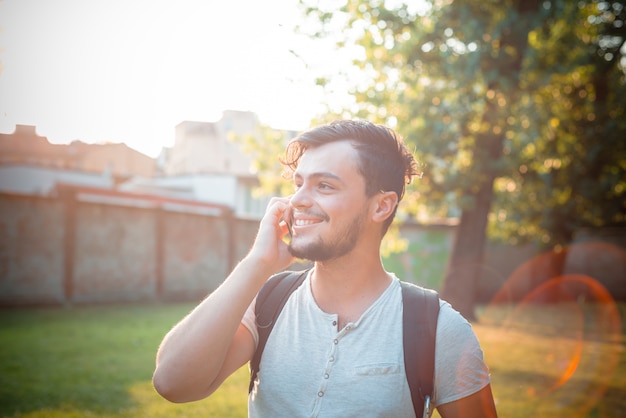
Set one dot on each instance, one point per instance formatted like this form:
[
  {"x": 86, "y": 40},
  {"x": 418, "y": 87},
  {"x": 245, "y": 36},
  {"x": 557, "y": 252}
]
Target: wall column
[
  {"x": 159, "y": 248},
  {"x": 69, "y": 244}
]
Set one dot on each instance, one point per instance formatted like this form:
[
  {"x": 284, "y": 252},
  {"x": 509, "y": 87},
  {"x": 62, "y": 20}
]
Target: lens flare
[{"x": 564, "y": 330}]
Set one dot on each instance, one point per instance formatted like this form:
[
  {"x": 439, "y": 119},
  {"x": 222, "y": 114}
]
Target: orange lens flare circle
[
  {"x": 603, "y": 321},
  {"x": 574, "y": 333}
]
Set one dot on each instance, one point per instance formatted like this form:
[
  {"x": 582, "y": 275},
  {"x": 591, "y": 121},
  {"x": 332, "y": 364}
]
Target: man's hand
[{"x": 269, "y": 247}]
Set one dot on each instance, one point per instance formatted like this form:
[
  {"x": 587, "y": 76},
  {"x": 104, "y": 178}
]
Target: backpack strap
[
  {"x": 419, "y": 326},
  {"x": 420, "y": 311},
  {"x": 269, "y": 303}
]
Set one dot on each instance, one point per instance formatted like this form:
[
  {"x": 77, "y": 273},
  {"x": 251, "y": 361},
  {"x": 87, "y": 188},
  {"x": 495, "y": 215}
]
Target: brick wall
[
  {"x": 60, "y": 250},
  {"x": 31, "y": 250},
  {"x": 114, "y": 254}
]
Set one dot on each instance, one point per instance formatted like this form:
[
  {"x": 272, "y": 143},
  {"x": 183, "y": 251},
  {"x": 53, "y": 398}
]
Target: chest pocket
[{"x": 382, "y": 369}]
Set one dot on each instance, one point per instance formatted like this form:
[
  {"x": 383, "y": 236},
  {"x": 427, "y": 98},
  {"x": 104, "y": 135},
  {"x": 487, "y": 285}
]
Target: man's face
[{"x": 330, "y": 207}]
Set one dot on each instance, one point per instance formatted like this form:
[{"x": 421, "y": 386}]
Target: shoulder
[
  {"x": 454, "y": 331},
  {"x": 450, "y": 317},
  {"x": 460, "y": 369}
]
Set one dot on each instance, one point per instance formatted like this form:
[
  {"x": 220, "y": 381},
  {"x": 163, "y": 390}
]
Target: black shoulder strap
[
  {"x": 420, "y": 313},
  {"x": 269, "y": 303}
]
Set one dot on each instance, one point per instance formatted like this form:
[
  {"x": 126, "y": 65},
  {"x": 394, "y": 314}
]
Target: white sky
[{"x": 131, "y": 70}]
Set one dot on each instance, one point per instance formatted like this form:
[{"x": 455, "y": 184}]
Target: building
[
  {"x": 204, "y": 164},
  {"x": 207, "y": 164},
  {"x": 207, "y": 147},
  {"x": 32, "y": 180},
  {"x": 234, "y": 192},
  {"x": 26, "y": 148}
]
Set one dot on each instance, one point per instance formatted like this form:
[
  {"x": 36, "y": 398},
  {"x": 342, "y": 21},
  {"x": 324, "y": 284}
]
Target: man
[{"x": 336, "y": 348}]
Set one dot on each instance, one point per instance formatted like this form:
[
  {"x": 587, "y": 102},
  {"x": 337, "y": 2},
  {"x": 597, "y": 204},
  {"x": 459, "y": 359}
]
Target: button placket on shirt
[
  {"x": 332, "y": 355},
  {"x": 332, "y": 358}
]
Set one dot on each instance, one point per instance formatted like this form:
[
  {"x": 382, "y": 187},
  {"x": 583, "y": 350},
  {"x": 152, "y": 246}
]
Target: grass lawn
[{"x": 97, "y": 361}]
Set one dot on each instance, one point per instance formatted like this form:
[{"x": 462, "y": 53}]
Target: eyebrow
[{"x": 320, "y": 175}]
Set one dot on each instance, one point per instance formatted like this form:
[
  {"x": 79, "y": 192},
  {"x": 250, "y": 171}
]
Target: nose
[{"x": 301, "y": 198}]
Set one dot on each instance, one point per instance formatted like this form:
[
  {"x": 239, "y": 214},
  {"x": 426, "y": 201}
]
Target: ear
[{"x": 384, "y": 204}]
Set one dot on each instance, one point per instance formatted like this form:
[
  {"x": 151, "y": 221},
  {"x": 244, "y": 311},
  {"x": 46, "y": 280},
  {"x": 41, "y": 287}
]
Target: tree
[
  {"x": 265, "y": 147},
  {"x": 570, "y": 169},
  {"x": 472, "y": 85},
  {"x": 448, "y": 73}
]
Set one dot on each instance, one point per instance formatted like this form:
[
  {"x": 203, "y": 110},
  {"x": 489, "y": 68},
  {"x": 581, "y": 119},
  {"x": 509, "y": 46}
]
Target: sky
[{"x": 131, "y": 70}]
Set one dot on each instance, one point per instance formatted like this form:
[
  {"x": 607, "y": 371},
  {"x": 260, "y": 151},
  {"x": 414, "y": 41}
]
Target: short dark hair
[{"x": 384, "y": 160}]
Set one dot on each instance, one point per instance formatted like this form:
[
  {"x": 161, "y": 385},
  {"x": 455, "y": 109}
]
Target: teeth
[{"x": 303, "y": 222}]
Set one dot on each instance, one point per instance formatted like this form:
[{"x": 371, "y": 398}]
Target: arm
[
  {"x": 210, "y": 343},
  {"x": 462, "y": 382},
  {"x": 477, "y": 405}
]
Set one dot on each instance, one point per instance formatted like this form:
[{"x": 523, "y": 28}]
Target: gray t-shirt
[{"x": 310, "y": 368}]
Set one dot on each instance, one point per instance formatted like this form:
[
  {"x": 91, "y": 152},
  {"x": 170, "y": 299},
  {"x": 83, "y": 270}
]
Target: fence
[
  {"x": 90, "y": 247},
  {"x": 95, "y": 246}
]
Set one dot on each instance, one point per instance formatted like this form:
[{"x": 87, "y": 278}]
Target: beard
[{"x": 343, "y": 240}]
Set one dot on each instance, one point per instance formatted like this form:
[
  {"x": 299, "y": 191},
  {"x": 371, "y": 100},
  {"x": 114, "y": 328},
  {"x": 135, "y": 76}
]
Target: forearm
[
  {"x": 204, "y": 348},
  {"x": 193, "y": 353}
]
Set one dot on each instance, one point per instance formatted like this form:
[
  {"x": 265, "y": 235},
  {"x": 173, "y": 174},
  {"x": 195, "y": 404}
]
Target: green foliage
[
  {"x": 571, "y": 169},
  {"x": 265, "y": 147},
  {"x": 527, "y": 94},
  {"x": 422, "y": 260}
]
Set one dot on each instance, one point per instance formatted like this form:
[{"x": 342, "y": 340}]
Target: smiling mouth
[{"x": 305, "y": 222}]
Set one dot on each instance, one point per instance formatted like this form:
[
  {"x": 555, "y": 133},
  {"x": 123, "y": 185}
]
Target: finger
[{"x": 285, "y": 228}]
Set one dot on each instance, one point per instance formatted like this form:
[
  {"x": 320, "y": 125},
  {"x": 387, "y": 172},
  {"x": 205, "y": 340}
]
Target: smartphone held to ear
[{"x": 288, "y": 221}]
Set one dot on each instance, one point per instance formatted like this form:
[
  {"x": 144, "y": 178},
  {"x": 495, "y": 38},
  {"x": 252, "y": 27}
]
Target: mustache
[{"x": 312, "y": 214}]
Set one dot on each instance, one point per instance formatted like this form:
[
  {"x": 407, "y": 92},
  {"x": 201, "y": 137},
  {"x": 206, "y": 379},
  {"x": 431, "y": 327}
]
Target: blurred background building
[{"x": 204, "y": 164}]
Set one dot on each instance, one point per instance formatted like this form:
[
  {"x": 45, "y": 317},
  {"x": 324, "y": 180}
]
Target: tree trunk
[
  {"x": 465, "y": 262},
  {"x": 466, "y": 259}
]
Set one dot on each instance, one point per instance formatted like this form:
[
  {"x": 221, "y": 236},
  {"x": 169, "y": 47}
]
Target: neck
[
  {"x": 358, "y": 269},
  {"x": 345, "y": 276},
  {"x": 348, "y": 286}
]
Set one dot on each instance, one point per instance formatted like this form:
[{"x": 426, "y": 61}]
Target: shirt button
[
  {"x": 320, "y": 393},
  {"x": 332, "y": 358},
  {"x": 326, "y": 375},
  {"x": 336, "y": 341},
  {"x": 334, "y": 323}
]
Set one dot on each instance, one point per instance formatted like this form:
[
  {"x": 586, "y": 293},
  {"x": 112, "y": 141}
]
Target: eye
[{"x": 325, "y": 186}]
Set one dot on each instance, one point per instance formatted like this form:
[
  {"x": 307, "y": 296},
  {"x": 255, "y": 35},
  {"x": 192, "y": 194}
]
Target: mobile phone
[
  {"x": 426, "y": 413},
  {"x": 288, "y": 221}
]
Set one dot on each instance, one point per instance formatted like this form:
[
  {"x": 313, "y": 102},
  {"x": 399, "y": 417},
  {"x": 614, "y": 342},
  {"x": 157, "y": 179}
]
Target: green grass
[
  {"x": 98, "y": 361},
  {"x": 94, "y": 362},
  {"x": 563, "y": 360}
]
